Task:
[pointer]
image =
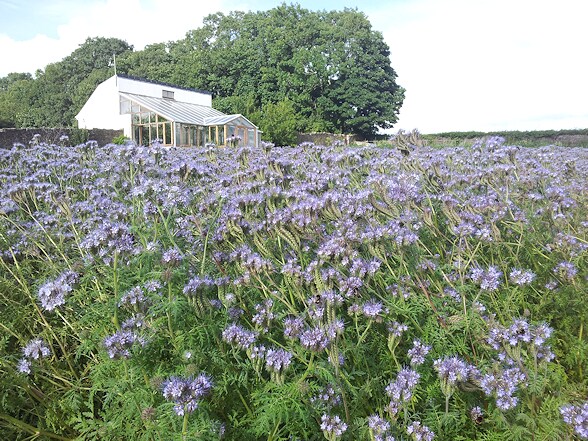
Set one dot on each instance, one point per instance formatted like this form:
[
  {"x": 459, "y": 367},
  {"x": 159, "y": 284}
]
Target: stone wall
[
  {"x": 323, "y": 138},
  {"x": 8, "y": 137}
]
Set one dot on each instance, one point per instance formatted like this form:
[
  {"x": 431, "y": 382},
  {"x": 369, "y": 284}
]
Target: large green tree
[
  {"x": 15, "y": 89},
  {"x": 58, "y": 92},
  {"x": 329, "y": 70},
  {"x": 332, "y": 67}
]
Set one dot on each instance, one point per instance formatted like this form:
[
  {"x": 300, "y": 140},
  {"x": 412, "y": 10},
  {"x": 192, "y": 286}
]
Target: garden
[{"x": 293, "y": 293}]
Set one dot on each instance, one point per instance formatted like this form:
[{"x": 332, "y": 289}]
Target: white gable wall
[
  {"x": 102, "y": 110},
  {"x": 127, "y": 85}
]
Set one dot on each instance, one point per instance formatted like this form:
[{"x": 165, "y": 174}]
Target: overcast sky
[{"x": 483, "y": 65}]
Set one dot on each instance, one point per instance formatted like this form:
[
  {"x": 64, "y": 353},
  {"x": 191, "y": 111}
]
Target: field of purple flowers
[{"x": 296, "y": 293}]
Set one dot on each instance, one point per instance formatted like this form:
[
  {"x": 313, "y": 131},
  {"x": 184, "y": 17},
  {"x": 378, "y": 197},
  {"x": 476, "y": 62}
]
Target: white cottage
[{"x": 177, "y": 116}]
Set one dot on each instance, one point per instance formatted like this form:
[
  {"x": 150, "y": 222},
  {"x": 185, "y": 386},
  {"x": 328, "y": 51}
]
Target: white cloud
[
  {"x": 489, "y": 65},
  {"x": 135, "y": 21}
]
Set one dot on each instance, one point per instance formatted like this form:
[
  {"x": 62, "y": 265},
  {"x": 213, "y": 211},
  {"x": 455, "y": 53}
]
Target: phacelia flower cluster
[
  {"x": 577, "y": 417},
  {"x": 502, "y": 385},
  {"x": 34, "y": 350},
  {"x": 263, "y": 315},
  {"x": 379, "y": 428},
  {"x": 120, "y": 344},
  {"x": 332, "y": 426},
  {"x": 400, "y": 390},
  {"x": 277, "y": 360},
  {"x": 489, "y": 279},
  {"x": 418, "y": 352},
  {"x": 52, "y": 294},
  {"x": 521, "y": 277},
  {"x": 239, "y": 336},
  {"x": 419, "y": 432},
  {"x": 521, "y": 333},
  {"x": 186, "y": 393},
  {"x": 453, "y": 370},
  {"x": 327, "y": 398}
]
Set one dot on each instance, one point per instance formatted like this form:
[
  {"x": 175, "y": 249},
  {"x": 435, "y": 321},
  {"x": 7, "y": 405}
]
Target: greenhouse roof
[{"x": 177, "y": 111}]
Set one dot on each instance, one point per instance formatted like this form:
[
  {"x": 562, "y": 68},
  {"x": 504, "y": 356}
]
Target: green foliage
[
  {"x": 279, "y": 123},
  {"x": 330, "y": 66},
  {"x": 120, "y": 140},
  {"x": 535, "y": 138},
  {"x": 58, "y": 92}
]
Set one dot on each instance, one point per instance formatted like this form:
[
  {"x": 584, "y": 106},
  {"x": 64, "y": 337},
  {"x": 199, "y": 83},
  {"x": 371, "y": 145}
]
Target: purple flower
[
  {"x": 372, "y": 308},
  {"x": 332, "y": 426},
  {"x": 277, "y": 360},
  {"x": 241, "y": 337},
  {"x": 521, "y": 277},
  {"x": 331, "y": 297},
  {"x": 152, "y": 286},
  {"x": 396, "y": 329},
  {"x": 503, "y": 385},
  {"x": 520, "y": 332},
  {"x": 293, "y": 326},
  {"x": 326, "y": 398},
  {"x": 452, "y": 369},
  {"x": 196, "y": 284},
  {"x": 256, "y": 352},
  {"x": 136, "y": 321},
  {"x": 566, "y": 270},
  {"x": 186, "y": 392},
  {"x": 119, "y": 344},
  {"x": 52, "y": 293},
  {"x": 314, "y": 339},
  {"x": 24, "y": 366},
  {"x": 134, "y": 297},
  {"x": 476, "y": 415},
  {"x": 419, "y": 432},
  {"x": 36, "y": 349},
  {"x": 577, "y": 417},
  {"x": 172, "y": 257},
  {"x": 418, "y": 353},
  {"x": 378, "y": 426},
  {"x": 264, "y": 314},
  {"x": 489, "y": 279},
  {"x": 402, "y": 388},
  {"x": 540, "y": 334}
]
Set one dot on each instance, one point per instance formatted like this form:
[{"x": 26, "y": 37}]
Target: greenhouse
[{"x": 147, "y": 111}]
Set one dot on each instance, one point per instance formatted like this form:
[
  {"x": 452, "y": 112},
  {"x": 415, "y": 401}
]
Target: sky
[{"x": 466, "y": 65}]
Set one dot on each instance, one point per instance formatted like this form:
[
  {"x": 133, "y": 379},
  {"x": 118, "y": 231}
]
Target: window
[
  {"x": 167, "y": 94},
  {"x": 147, "y": 126}
]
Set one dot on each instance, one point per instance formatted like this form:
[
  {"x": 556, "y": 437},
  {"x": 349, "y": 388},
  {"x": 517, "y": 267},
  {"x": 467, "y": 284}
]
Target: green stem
[
  {"x": 209, "y": 229},
  {"x": 170, "y": 328},
  {"x": 185, "y": 426},
  {"x": 36, "y": 432},
  {"x": 115, "y": 288}
]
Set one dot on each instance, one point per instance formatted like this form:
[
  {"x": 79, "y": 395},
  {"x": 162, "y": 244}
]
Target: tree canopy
[{"x": 321, "y": 70}]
